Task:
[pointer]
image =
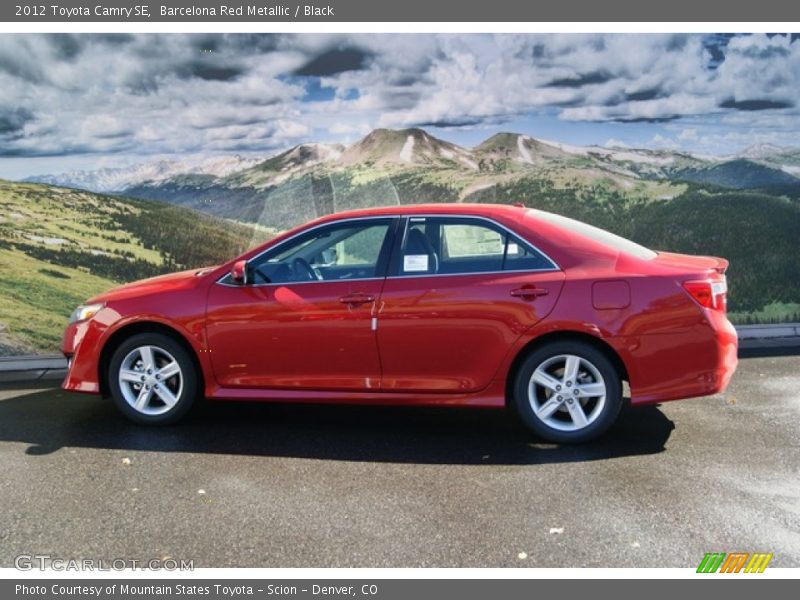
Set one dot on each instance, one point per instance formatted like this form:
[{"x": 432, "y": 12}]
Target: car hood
[{"x": 152, "y": 285}]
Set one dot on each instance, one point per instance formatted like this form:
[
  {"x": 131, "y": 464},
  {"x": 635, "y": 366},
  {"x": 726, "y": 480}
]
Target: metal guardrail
[
  {"x": 53, "y": 367},
  {"x": 762, "y": 332},
  {"x": 49, "y": 367},
  {"x": 781, "y": 335}
]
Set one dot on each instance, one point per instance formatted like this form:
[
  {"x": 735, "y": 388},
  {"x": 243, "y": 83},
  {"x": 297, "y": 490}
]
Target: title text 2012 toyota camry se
[{"x": 458, "y": 305}]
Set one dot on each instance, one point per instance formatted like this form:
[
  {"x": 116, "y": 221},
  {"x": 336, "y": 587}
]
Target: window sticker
[
  {"x": 513, "y": 248},
  {"x": 415, "y": 263}
]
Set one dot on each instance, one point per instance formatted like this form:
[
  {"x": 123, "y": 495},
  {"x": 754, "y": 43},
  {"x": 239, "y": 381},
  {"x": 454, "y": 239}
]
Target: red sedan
[{"x": 461, "y": 305}]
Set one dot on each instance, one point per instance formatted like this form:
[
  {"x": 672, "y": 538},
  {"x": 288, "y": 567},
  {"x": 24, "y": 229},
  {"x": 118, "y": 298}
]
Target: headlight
[{"x": 85, "y": 311}]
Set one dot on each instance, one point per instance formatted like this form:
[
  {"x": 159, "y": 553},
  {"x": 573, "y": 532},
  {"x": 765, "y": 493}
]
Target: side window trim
[
  {"x": 381, "y": 267},
  {"x": 387, "y": 248},
  {"x": 393, "y": 265},
  {"x": 508, "y": 234}
]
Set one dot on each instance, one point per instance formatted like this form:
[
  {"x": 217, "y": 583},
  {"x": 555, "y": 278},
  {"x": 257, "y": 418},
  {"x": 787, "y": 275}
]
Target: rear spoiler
[{"x": 721, "y": 266}]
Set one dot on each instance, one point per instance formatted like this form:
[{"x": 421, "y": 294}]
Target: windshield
[{"x": 595, "y": 233}]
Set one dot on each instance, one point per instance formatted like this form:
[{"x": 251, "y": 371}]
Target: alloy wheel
[
  {"x": 151, "y": 380},
  {"x": 567, "y": 392}
]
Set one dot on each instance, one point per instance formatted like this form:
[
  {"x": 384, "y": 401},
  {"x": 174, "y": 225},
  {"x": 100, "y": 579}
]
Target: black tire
[
  {"x": 182, "y": 387},
  {"x": 602, "y": 411}
]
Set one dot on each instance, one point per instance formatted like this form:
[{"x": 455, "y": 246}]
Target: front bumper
[{"x": 81, "y": 345}]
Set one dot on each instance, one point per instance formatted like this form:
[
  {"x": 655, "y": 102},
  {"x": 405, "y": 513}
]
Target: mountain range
[
  {"x": 411, "y": 165},
  {"x": 118, "y": 179}
]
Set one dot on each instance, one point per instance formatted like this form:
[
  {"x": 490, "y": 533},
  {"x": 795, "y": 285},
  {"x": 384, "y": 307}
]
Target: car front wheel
[
  {"x": 152, "y": 379},
  {"x": 567, "y": 392}
]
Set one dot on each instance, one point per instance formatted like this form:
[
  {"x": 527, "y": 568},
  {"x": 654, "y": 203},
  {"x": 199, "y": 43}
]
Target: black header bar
[{"x": 473, "y": 11}]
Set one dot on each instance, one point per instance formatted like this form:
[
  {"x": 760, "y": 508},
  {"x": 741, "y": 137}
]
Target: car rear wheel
[
  {"x": 567, "y": 392},
  {"x": 153, "y": 379}
]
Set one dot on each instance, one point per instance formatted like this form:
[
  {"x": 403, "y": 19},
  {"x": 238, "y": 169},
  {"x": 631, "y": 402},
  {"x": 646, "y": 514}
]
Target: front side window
[
  {"x": 457, "y": 245},
  {"x": 341, "y": 251}
]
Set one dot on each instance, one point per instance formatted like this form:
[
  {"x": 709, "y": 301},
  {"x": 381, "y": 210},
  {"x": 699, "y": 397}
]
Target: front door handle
[
  {"x": 529, "y": 292},
  {"x": 357, "y": 298}
]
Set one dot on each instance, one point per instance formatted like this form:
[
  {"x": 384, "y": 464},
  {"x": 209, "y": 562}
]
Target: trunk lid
[{"x": 688, "y": 262}]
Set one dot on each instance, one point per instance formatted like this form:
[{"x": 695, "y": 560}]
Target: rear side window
[
  {"x": 471, "y": 247},
  {"x": 458, "y": 245},
  {"x": 602, "y": 236},
  {"x": 521, "y": 257}
]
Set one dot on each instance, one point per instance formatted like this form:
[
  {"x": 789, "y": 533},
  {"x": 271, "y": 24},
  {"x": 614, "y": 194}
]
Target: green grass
[
  {"x": 59, "y": 247},
  {"x": 35, "y": 305},
  {"x": 775, "y": 312}
]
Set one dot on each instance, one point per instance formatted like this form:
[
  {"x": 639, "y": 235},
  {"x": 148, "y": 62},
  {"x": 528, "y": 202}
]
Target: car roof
[
  {"x": 565, "y": 248},
  {"x": 556, "y": 243},
  {"x": 484, "y": 210}
]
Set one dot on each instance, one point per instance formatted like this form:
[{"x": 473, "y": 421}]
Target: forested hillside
[{"x": 60, "y": 246}]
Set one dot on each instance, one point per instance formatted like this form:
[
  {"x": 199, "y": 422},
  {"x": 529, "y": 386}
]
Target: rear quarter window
[{"x": 606, "y": 238}]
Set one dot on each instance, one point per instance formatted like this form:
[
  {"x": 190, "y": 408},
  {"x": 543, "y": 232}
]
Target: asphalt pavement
[{"x": 257, "y": 485}]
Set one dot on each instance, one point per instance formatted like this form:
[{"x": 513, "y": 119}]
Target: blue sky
[{"x": 91, "y": 100}]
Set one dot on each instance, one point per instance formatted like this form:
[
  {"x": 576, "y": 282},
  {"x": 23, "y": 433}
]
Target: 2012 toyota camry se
[{"x": 458, "y": 305}]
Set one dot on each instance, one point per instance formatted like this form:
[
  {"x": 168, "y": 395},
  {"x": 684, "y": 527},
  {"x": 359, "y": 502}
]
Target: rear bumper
[{"x": 698, "y": 361}]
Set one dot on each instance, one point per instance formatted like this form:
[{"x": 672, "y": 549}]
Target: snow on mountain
[
  {"x": 407, "y": 151},
  {"x": 524, "y": 152},
  {"x": 279, "y": 168},
  {"x": 569, "y": 149},
  {"x": 116, "y": 179},
  {"x": 759, "y": 151}
]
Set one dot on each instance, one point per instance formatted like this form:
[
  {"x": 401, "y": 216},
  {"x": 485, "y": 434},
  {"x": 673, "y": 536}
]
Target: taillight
[{"x": 708, "y": 293}]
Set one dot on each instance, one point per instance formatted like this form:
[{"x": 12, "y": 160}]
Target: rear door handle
[
  {"x": 529, "y": 292},
  {"x": 356, "y": 298}
]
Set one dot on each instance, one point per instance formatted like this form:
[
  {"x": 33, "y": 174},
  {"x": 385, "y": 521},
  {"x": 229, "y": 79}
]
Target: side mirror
[{"x": 239, "y": 272}]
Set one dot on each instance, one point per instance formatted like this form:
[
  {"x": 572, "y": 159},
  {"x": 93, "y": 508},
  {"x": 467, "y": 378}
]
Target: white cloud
[
  {"x": 346, "y": 129},
  {"x": 663, "y": 142},
  {"x": 161, "y": 94}
]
